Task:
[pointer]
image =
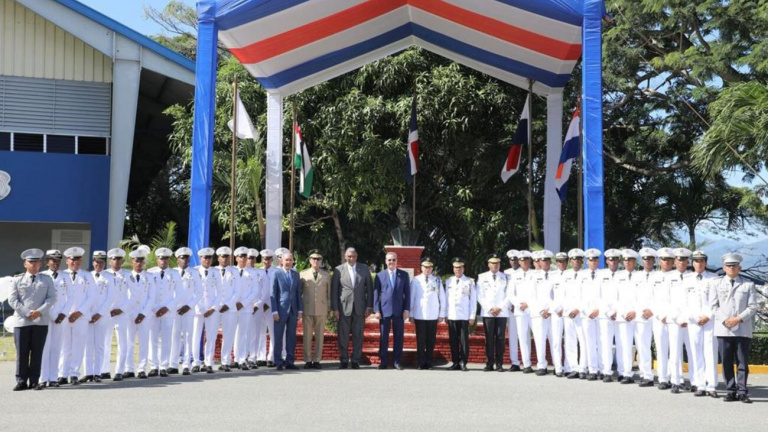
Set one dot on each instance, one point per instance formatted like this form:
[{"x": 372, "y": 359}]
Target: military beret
[{"x": 32, "y": 254}]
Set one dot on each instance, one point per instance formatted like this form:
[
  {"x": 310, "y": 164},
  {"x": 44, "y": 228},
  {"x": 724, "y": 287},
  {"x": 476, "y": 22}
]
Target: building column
[
  {"x": 126, "y": 75},
  {"x": 203, "y": 128},
  {"x": 274, "y": 170},
  {"x": 592, "y": 94},
  {"x": 552, "y": 219}
]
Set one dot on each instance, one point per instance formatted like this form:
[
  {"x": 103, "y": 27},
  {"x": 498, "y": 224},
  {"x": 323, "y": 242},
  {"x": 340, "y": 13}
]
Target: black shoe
[
  {"x": 514, "y": 368},
  {"x": 665, "y": 386},
  {"x": 499, "y": 368},
  {"x": 163, "y": 373},
  {"x": 399, "y": 366},
  {"x": 745, "y": 399},
  {"x": 675, "y": 389},
  {"x": 316, "y": 365},
  {"x": 541, "y": 372},
  {"x": 291, "y": 367},
  {"x": 592, "y": 377},
  {"x": 20, "y": 387},
  {"x": 692, "y": 388},
  {"x": 251, "y": 364},
  {"x": 464, "y": 367},
  {"x": 454, "y": 366},
  {"x": 487, "y": 368},
  {"x": 173, "y": 371},
  {"x": 62, "y": 381},
  {"x": 209, "y": 369},
  {"x": 53, "y": 384},
  {"x": 244, "y": 366},
  {"x": 118, "y": 377},
  {"x": 528, "y": 370},
  {"x": 234, "y": 365},
  {"x": 195, "y": 369},
  {"x": 699, "y": 393},
  {"x": 620, "y": 378},
  {"x": 646, "y": 383},
  {"x": 38, "y": 386},
  {"x": 730, "y": 397},
  {"x": 573, "y": 375},
  {"x": 343, "y": 365},
  {"x": 227, "y": 368},
  {"x": 560, "y": 374},
  {"x": 308, "y": 365},
  {"x": 270, "y": 364},
  {"x": 106, "y": 375},
  {"x": 153, "y": 373},
  {"x": 85, "y": 379},
  {"x": 607, "y": 379},
  {"x": 627, "y": 380},
  {"x": 97, "y": 378},
  {"x": 430, "y": 367},
  {"x": 381, "y": 366},
  {"x": 186, "y": 372},
  {"x": 73, "y": 380},
  {"x": 713, "y": 395},
  {"x": 355, "y": 365},
  {"x": 583, "y": 376},
  {"x": 279, "y": 367},
  {"x": 142, "y": 375},
  {"x": 600, "y": 375},
  {"x": 129, "y": 375},
  {"x": 261, "y": 363}
]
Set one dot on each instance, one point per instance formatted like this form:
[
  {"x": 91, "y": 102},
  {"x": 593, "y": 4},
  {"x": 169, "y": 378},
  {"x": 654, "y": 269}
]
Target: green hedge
[{"x": 759, "y": 353}]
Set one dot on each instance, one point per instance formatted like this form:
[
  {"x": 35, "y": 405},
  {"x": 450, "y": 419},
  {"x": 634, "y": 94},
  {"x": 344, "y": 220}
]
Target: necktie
[
  {"x": 182, "y": 273},
  {"x": 494, "y": 277},
  {"x": 97, "y": 275},
  {"x": 241, "y": 272},
  {"x": 222, "y": 272},
  {"x": 314, "y": 274},
  {"x": 733, "y": 281},
  {"x": 593, "y": 275},
  {"x": 647, "y": 276},
  {"x": 74, "y": 275},
  {"x": 681, "y": 276},
  {"x": 613, "y": 274},
  {"x": 630, "y": 276},
  {"x": 162, "y": 274},
  {"x": 698, "y": 277},
  {"x": 392, "y": 279},
  {"x": 206, "y": 273},
  {"x": 138, "y": 278},
  {"x": 55, "y": 274},
  {"x": 546, "y": 276},
  {"x": 33, "y": 278}
]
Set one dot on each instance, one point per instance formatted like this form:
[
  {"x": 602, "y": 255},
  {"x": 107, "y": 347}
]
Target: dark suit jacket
[
  {"x": 401, "y": 294},
  {"x": 349, "y": 299},
  {"x": 286, "y": 294}
]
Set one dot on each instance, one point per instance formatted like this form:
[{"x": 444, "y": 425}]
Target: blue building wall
[{"x": 50, "y": 187}]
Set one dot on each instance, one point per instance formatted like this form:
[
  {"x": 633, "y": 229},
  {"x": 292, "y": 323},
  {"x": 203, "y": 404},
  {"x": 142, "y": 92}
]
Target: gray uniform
[
  {"x": 28, "y": 293},
  {"x": 351, "y": 295}
]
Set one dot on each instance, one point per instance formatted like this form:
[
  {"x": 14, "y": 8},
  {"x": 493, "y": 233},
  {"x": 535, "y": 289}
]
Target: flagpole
[
  {"x": 293, "y": 176},
  {"x": 531, "y": 214},
  {"x": 232, "y": 170},
  {"x": 580, "y": 184}
]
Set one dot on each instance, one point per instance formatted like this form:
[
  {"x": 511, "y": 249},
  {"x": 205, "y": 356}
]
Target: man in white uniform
[
  {"x": 165, "y": 311},
  {"x": 609, "y": 289},
  {"x": 53, "y": 341},
  {"x": 678, "y": 328},
  {"x": 626, "y": 307},
  {"x": 258, "y": 326},
  {"x": 661, "y": 324},
  {"x": 427, "y": 309},
  {"x": 189, "y": 292},
  {"x": 514, "y": 356},
  {"x": 77, "y": 309},
  {"x": 461, "y": 307},
  {"x": 645, "y": 315},
  {"x": 99, "y": 323},
  {"x": 246, "y": 291},
  {"x": 518, "y": 293},
  {"x": 573, "y": 306},
  {"x": 141, "y": 291},
  {"x": 118, "y": 313},
  {"x": 494, "y": 308},
  {"x": 206, "y": 315},
  {"x": 591, "y": 305},
  {"x": 701, "y": 327}
]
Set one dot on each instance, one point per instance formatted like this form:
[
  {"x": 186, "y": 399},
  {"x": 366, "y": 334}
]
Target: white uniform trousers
[
  {"x": 540, "y": 327},
  {"x": 556, "y": 341},
  {"x": 607, "y": 329},
  {"x": 228, "y": 327},
  {"x": 243, "y": 333},
  {"x": 704, "y": 352},
  {"x": 105, "y": 362},
  {"x": 591, "y": 343},
  {"x": 211, "y": 325},
  {"x": 140, "y": 332},
  {"x": 176, "y": 344},
  {"x": 52, "y": 352},
  {"x": 643, "y": 334},
  {"x": 678, "y": 336},
  {"x": 269, "y": 326},
  {"x": 121, "y": 324},
  {"x": 160, "y": 335},
  {"x": 625, "y": 333},
  {"x": 523, "y": 327},
  {"x": 73, "y": 347},
  {"x": 256, "y": 334},
  {"x": 513, "y": 349},
  {"x": 183, "y": 340},
  {"x": 574, "y": 343},
  {"x": 94, "y": 346},
  {"x": 661, "y": 341}
]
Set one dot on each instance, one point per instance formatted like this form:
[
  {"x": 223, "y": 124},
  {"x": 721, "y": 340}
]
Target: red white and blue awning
[{"x": 291, "y": 45}]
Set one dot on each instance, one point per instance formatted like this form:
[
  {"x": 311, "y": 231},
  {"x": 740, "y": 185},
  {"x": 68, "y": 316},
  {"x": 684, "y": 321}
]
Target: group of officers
[{"x": 65, "y": 319}]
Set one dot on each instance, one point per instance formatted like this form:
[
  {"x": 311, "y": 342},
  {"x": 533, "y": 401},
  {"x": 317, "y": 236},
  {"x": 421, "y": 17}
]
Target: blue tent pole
[
  {"x": 203, "y": 127},
  {"x": 592, "y": 90}
]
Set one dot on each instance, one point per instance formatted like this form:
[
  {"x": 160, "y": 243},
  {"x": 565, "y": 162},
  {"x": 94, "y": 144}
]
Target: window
[
  {"x": 60, "y": 144},
  {"x": 5, "y": 141},
  {"x": 27, "y": 142},
  {"x": 92, "y": 145}
]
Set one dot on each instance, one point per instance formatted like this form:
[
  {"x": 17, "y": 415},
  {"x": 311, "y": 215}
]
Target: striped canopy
[{"x": 291, "y": 45}]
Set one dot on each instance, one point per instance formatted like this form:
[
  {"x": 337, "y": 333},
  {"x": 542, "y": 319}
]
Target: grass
[{"x": 8, "y": 349}]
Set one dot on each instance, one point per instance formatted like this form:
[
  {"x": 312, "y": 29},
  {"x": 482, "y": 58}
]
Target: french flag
[
  {"x": 412, "y": 160},
  {"x": 570, "y": 152},
  {"x": 516, "y": 151}
]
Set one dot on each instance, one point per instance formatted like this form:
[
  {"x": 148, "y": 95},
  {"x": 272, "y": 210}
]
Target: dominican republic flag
[
  {"x": 303, "y": 164},
  {"x": 570, "y": 152},
  {"x": 516, "y": 151},
  {"x": 412, "y": 159}
]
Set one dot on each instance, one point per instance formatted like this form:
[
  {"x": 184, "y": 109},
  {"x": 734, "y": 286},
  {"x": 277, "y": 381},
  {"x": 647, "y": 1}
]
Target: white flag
[{"x": 245, "y": 128}]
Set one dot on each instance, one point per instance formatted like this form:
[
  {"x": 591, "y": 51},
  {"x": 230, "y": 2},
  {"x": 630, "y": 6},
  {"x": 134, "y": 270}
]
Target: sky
[{"x": 131, "y": 12}]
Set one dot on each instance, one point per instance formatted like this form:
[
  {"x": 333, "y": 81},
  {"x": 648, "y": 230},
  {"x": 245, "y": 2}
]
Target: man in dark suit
[
  {"x": 352, "y": 303},
  {"x": 392, "y": 305},
  {"x": 287, "y": 309}
]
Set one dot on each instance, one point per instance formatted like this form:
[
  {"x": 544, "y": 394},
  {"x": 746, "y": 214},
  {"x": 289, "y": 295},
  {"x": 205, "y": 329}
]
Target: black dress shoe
[
  {"x": 129, "y": 375},
  {"x": 308, "y": 365},
  {"x": 620, "y": 378},
  {"x": 244, "y": 366},
  {"x": 142, "y": 375},
  {"x": 607, "y": 379},
  {"x": 487, "y": 368},
  {"x": 600, "y": 375},
  {"x": 316, "y": 365},
  {"x": 118, "y": 377},
  {"x": 20, "y": 387},
  {"x": 713, "y": 394},
  {"x": 106, "y": 375},
  {"x": 209, "y": 369},
  {"x": 453, "y": 366},
  {"x": 464, "y": 367},
  {"x": 499, "y": 368},
  {"x": 291, "y": 367},
  {"x": 85, "y": 379},
  {"x": 186, "y": 371},
  {"x": 560, "y": 374},
  {"x": 279, "y": 367},
  {"x": 541, "y": 372},
  {"x": 62, "y": 381},
  {"x": 261, "y": 363},
  {"x": 398, "y": 366},
  {"x": 699, "y": 393},
  {"x": 355, "y": 365},
  {"x": 173, "y": 371},
  {"x": 227, "y": 369},
  {"x": 195, "y": 369},
  {"x": 675, "y": 389},
  {"x": 343, "y": 365},
  {"x": 153, "y": 373},
  {"x": 73, "y": 380},
  {"x": 270, "y": 364},
  {"x": 234, "y": 365},
  {"x": 693, "y": 388},
  {"x": 627, "y": 380},
  {"x": 573, "y": 375},
  {"x": 665, "y": 386},
  {"x": 251, "y": 364},
  {"x": 53, "y": 384},
  {"x": 592, "y": 377},
  {"x": 745, "y": 399},
  {"x": 646, "y": 383},
  {"x": 730, "y": 397},
  {"x": 528, "y": 370},
  {"x": 430, "y": 367},
  {"x": 583, "y": 375},
  {"x": 381, "y": 366},
  {"x": 38, "y": 386},
  {"x": 163, "y": 373},
  {"x": 514, "y": 368},
  {"x": 97, "y": 378}
]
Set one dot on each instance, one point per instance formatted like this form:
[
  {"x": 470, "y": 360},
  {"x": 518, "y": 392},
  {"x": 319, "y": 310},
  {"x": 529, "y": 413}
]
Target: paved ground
[{"x": 334, "y": 399}]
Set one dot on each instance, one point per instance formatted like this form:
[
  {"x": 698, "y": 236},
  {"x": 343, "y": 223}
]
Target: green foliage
[{"x": 758, "y": 354}]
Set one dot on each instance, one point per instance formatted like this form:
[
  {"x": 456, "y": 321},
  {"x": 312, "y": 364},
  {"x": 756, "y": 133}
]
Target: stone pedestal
[{"x": 408, "y": 258}]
